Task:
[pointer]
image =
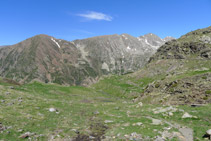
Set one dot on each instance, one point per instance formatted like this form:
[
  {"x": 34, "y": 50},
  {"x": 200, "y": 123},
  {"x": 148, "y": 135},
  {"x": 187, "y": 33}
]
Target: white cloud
[{"x": 91, "y": 15}]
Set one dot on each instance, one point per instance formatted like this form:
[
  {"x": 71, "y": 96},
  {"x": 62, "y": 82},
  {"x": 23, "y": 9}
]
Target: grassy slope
[{"x": 76, "y": 106}]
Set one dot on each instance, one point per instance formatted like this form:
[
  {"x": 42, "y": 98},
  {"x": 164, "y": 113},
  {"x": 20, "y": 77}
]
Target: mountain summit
[{"x": 153, "y": 40}]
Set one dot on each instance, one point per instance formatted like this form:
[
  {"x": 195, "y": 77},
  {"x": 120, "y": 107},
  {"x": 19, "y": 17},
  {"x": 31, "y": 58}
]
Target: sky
[{"x": 79, "y": 19}]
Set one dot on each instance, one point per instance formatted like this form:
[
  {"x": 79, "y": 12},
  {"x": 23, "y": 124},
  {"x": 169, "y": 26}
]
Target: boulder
[
  {"x": 140, "y": 104},
  {"x": 137, "y": 124},
  {"x": 187, "y": 115},
  {"x": 108, "y": 121},
  {"x": 209, "y": 132},
  {"x": 52, "y": 110},
  {"x": 156, "y": 121},
  {"x": 26, "y": 135}
]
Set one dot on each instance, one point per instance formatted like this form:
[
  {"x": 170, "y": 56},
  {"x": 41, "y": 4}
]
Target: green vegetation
[
  {"x": 85, "y": 110},
  {"x": 208, "y": 92}
]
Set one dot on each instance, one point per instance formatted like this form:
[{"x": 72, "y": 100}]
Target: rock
[
  {"x": 91, "y": 137},
  {"x": 187, "y": 115},
  {"x": 187, "y": 133},
  {"x": 108, "y": 121},
  {"x": 158, "y": 138},
  {"x": 2, "y": 128},
  {"x": 137, "y": 124},
  {"x": 167, "y": 128},
  {"x": 197, "y": 105},
  {"x": 163, "y": 110},
  {"x": 20, "y": 100},
  {"x": 20, "y": 130},
  {"x": 11, "y": 87},
  {"x": 209, "y": 132},
  {"x": 9, "y": 104},
  {"x": 26, "y": 135},
  {"x": 116, "y": 108},
  {"x": 7, "y": 93},
  {"x": 134, "y": 136},
  {"x": 167, "y": 134},
  {"x": 170, "y": 114},
  {"x": 126, "y": 124},
  {"x": 140, "y": 104},
  {"x": 96, "y": 113},
  {"x": 156, "y": 121},
  {"x": 41, "y": 135},
  {"x": 2, "y": 101},
  {"x": 124, "y": 102},
  {"x": 52, "y": 110},
  {"x": 76, "y": 131}
]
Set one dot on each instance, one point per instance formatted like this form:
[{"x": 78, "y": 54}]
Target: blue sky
[{"x": 78, "y": 19}]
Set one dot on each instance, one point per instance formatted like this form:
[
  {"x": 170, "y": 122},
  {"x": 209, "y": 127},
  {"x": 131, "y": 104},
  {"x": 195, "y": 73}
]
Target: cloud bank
[{"x": 91, "y": 15}]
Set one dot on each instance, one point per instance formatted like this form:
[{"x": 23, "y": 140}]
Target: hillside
[
  {"x": 79, "y": 62},
  {"x": 39, "y": 111},
  {"x": 178, "y": 73}
]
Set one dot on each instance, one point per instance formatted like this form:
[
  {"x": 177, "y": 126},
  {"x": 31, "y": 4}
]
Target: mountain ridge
[{"x": 78, "y": 62}]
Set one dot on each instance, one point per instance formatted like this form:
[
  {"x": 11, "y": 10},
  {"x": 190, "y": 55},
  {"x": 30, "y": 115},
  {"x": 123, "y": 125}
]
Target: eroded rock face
[{"x": 79, "y": 62}]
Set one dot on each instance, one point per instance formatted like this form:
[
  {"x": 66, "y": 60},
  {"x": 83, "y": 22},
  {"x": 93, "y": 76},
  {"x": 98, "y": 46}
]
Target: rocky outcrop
[{"x": 196, "y": 44}]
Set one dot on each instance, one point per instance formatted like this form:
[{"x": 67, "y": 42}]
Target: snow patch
[
  {"x": 139, "y": 38},
  {"x": 125, "y": 37},
  {"x": 156, "y": 47},
  {"x": 128, "y": 47},
  {"x": 147, "y": 42},
  {"x": 55, "y": 42}
]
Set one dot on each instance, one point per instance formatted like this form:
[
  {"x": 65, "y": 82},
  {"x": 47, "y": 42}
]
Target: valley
[{"x": 168, "y": 98}]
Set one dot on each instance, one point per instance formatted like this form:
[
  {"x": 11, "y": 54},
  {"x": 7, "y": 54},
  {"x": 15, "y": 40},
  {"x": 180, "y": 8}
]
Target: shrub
[{"x": 208, "y": 92}]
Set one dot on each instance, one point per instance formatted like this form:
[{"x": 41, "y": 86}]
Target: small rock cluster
[
  {"x": 168, "y": 111},
  {"x": 2, "y": 128},
  {"x": 134, "y": 136}
]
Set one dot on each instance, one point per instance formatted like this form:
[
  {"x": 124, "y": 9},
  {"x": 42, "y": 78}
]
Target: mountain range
[{"x": 79, "y": 62}]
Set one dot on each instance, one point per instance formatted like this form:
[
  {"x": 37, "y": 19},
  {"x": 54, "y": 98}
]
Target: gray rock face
[
  {"x": 114, "y": 53},
  {"x": 79, "y": 62}
]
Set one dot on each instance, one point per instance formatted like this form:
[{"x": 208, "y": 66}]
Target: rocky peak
[{"x": 152, "y": 40}]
